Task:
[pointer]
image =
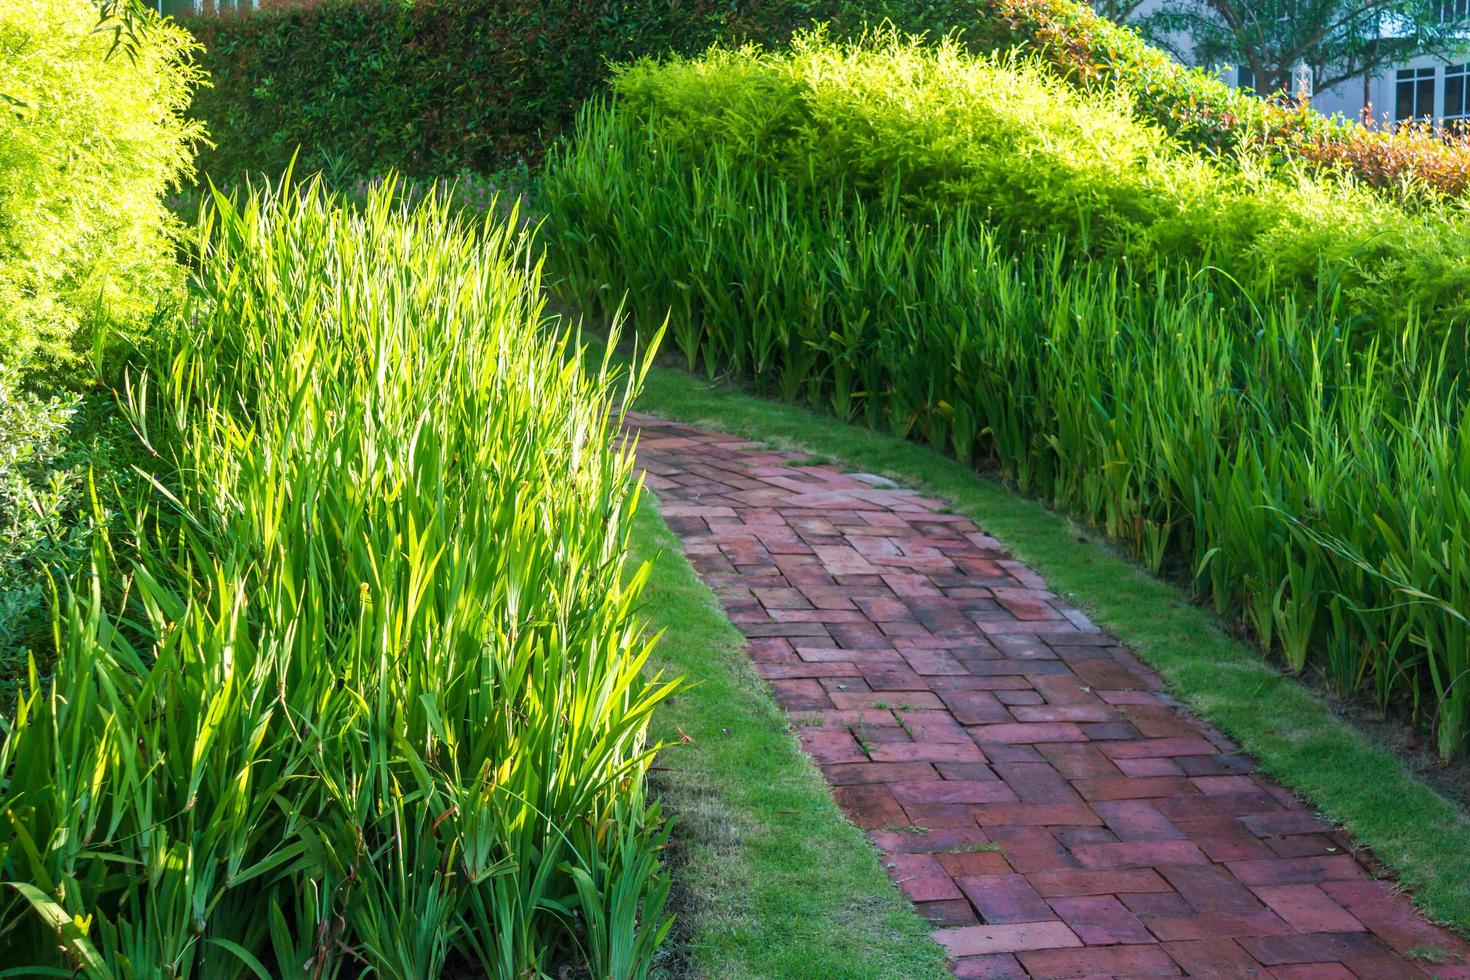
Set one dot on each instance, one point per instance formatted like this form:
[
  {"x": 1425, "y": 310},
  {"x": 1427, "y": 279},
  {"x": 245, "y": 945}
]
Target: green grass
[
  {"x": 1424, "y": 837},
  {"x": 775, "y": 881}
]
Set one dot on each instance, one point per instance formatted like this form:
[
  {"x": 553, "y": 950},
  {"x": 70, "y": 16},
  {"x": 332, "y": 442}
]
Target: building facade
[{"x": 1426, "y": 88}]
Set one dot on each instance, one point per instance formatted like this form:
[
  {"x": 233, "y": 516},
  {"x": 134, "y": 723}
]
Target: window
[
  {"x": 1453, "y": 11},
  {"x": 1245, "y": 79},
  {"x": 1414, "y": 94},
  {"x": 1456, "y": 95}
]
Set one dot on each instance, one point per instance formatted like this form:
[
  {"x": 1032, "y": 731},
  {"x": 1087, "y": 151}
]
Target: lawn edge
[
  {"x": 775, "y": 880},
  {"x": 1422, "y": 836}
]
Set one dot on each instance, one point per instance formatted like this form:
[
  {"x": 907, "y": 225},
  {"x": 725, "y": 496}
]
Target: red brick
[
  {"x": 1319, "y": 947},
  {"x": 947, "y": 914},
  {"x": 1028, "y": 733},
  {"x": 1138, "y": 854},
  {"x": 1099, "y": 961},
  {"x": 882, "y": 600},
  {"x": 1158, "y": 747},
  {"x": 1125, "y": 788},
  {"x": 1031, "y": 849},
  {"x": 1314, "y": 971},
  {"x": 997, "y": 966},
  {"x": 1037, "y": 782},
  {"x": 870, "y": 805},
  {"x": 1034, "y": 815},
  {"x": 1215, "y": 925},
  {"x": 952, "y": 791},
  {"x": 1151, "y": 904},
  {"x": 1078, "y": 761},
  {"x": 848, "y": 774},
  {"x": 1005, "y": 938},
  {"x": 1207, "y": 888},
  {"x": 1292, "y": 871},
  {"x": 1005, "y": 898},
  {"x": 1064, "y": 712},
  {"x": 976, "y": 708},
  {"x": 1285, "y": 822},
  {"x": 1390, "y": 917},
  {"x": 831, "y": 745},
  {"x": 1214, "y": 959},
  {"x": 1078, "y": 881},
  {"x": 1307, "y": 908},
  {"x": 1136, "y": 820},
  {"x": 901, "y": 752},
  {"x": 1101, "y": 920},
  {"x": 1224, "y": 785},
  {"x": 1149, "y": 767}
]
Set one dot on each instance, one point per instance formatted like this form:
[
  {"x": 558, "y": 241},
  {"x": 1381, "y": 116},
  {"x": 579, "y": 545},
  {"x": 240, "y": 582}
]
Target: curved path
[{"x": 1032, "y": 788}]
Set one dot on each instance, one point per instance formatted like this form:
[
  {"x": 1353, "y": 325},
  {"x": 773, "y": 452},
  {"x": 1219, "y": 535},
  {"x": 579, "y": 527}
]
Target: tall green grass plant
[
  {"x": 1035, "y": 157},
  {"x": 370, "y": 697}
]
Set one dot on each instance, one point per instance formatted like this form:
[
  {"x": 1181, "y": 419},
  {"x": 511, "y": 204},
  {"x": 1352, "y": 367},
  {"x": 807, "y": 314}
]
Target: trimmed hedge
[{"x": 441, "y": 86}]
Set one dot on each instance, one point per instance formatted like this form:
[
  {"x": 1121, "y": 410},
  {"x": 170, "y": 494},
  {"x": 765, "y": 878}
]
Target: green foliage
[
  {"x": 48, "y": 448},
  {"x": 436, "y": 88},
  {"x": 370, "y": 696},
  {"x": 963, "y": 253},
  {"x": 939, "y": 127},
  {"x": 37, "y": 491},
  {"x": 1198, "y": 108},
  {"x": 88, "y": 146}
]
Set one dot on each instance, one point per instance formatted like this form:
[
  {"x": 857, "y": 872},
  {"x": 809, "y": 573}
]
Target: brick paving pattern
[{"x": 1028, "y": 782}]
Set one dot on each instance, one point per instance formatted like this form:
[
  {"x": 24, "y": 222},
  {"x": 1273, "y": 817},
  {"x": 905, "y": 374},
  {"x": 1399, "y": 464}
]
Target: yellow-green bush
[
  {"x": 89, "y": 143},
  {"x": 941, "y": 127},
  {"x": 971, "y": 254}
]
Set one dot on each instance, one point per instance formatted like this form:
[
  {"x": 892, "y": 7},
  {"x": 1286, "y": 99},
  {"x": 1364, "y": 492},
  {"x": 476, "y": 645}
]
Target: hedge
[{"x": 441, "y": 86}]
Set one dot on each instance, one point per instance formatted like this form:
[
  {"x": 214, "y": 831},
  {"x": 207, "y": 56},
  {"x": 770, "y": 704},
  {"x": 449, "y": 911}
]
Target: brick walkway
[{"x": 1030, "y": 785}]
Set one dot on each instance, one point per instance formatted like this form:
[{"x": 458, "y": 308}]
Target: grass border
[
  {"x": 771, "y": 879},
  {"x": 1414, "y": 830}
]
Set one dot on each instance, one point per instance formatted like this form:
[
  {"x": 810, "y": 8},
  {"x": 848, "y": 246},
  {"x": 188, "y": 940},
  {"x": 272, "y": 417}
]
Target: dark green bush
[{"x": 440, "y": 86}]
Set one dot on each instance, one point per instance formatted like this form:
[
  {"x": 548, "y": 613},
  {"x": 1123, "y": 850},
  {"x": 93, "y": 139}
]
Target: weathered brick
[
  {"x": 1006, "y": 938},
  {"x": 1317, "y": 947},
  {"x": 1101, "y": 920},
  {"x": 1291, "y": 871},
  {"x": 1005, "y": 898},
  {"x": 1139, "y": 854},
  {"x": 1307, "y": 908},
  {"x": 1099, "y": 961},
  {"x": 1214, "y": 959},
  {"x": 1028, "y": 733},
  {"x": 1078, "y": 881}
]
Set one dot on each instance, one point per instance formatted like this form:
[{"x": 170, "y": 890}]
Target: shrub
[
  {"x": 941, "y": 127},
  {"x": 1200, "y": 109},
  {"x": 38, "y": 491},
  {"x": 440, "y": 86},
  {"x": 88, "y": 146},
  {"x": 436, "y": 87},
  {"x": 900, "y": 256},
  {"x": 369, "y": 698}
]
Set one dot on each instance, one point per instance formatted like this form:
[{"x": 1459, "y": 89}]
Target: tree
[
  {"x": 1337, "y": 40},
  {"x": 1117, "y": 11}
]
